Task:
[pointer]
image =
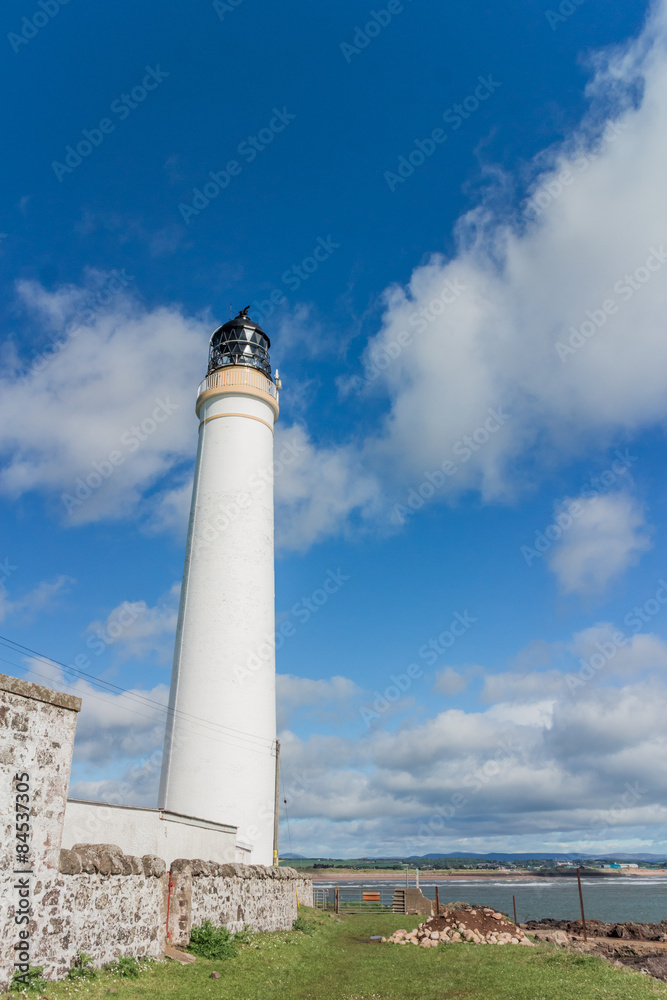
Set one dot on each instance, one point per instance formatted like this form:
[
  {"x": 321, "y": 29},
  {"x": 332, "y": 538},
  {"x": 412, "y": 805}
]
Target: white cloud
[
  {"x": 318, "y": 490},
  {"x": 41, "y": 599},
  {"x": 539, "y": 765},
  {"x": 520, "y": 687},
  {"x": 137, "y": 631},
  {"x": 523, "y": 283},
  {"x": 121, "y": 386},
  {"x": 605, "y": 539},
  {"x": 325, "y": 698},
  {"x": 450, "y": 682},
  {"x": 627, "y": 656},
  {"x": 112, "y": 728},
  {"x": 525, "y": 287}
]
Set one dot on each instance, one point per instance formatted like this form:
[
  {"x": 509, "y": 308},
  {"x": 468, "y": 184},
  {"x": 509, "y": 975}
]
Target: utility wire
[
  {"x": 289, "y": 832},
  {"x": 141, "y": 715},
  {"x": 135, "y": 696},
  {"x": 269, "y": 745}
]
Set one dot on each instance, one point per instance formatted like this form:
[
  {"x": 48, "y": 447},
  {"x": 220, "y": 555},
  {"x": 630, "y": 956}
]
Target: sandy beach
[{"x": 382, "y": 874}]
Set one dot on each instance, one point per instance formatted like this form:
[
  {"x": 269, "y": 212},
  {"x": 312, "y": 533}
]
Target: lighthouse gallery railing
[{"x": 238, "y": 375}]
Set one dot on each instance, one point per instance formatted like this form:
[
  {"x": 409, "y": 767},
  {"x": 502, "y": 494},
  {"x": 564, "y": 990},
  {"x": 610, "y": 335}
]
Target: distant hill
[
  {"x": 292, "y": 857},
  {"x": 499, "y": 856}
]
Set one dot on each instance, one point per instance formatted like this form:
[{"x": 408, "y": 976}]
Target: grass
[{"x": 335, "y": 961}]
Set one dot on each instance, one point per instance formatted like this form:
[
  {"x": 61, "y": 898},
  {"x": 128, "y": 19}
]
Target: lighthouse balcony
[{"x": 238, "y": 376}]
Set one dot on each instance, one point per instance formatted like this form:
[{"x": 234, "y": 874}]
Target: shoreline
[{"x": 428, "y": 877}]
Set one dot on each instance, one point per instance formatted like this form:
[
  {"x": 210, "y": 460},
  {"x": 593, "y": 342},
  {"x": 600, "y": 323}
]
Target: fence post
[
  {"x": 581, "y": 901},
  {"x": 437, "y": 902},
  {"x": 336, "y": 900}
]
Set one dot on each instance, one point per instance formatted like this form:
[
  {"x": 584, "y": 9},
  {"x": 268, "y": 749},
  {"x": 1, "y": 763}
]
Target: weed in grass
[
  {"x": 35, "y": 980},
  {"x": 83, "y": 967},
  {"x": 245, "y": 936},
  {"x": 207, "y": 941},
  {"x": 126, "y": 966},
  {"x": 300, "y": 924}
]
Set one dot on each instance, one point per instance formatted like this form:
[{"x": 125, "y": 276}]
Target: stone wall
[
  {"x": 104, "y": 903},
  {"x": 109, "y": 904},
  {"x": 234, "y": 895},
  {"x": 94, "y": 898},
  {"x": 36, "y": 740}
]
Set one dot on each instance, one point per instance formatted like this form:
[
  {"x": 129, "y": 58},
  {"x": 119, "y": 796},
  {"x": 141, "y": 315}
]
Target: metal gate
[
  {"x": 322, "y": 897},
  {"x": 362, "y": 899}
]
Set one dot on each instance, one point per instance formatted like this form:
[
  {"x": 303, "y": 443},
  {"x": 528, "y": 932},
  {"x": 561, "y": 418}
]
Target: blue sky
[{"x": 474, "y": 393}]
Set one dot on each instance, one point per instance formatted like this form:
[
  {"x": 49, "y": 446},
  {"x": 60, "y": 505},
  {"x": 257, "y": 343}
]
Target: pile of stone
[{"x": 463, "y": 922}]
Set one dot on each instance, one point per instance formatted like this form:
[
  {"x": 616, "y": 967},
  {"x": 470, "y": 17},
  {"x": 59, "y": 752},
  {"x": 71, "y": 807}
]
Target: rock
[
  {"x": 435, "y": 936},
  {"x": 558, "y": 937},
  {"x": 497, "y": 916},
  {"x": 182, "y": 957},
  {"x": 70, "y": 863},
  {"x": 153, "y": 866},
  {"x": 215, "y": 975}
]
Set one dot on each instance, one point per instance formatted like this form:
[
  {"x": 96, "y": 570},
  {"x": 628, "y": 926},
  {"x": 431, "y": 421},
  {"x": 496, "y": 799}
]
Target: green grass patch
[{"x": 333, "y": 959}]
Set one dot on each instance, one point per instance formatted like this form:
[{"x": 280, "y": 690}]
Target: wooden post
[
  {"x": 514, "y": 905},
  {"x": 276, "y": 806},
  {"x": 336, "y": 901},
  {"x": 437, "y": 902},
  {"x": 581, "y": 901}
]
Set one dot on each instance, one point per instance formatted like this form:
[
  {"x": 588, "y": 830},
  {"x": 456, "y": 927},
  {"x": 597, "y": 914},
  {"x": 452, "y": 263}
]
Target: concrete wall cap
[{"x": 35, "y": 692}]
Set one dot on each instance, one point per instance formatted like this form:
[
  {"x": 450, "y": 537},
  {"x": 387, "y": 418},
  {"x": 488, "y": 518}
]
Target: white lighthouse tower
[{"x": 220, "y": 759}]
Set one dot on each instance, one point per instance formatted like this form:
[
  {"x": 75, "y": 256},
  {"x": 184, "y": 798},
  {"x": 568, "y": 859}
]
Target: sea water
[{"x": 616, "y": 898}]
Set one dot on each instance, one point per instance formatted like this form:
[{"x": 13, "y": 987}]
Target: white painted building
[{"x": 219, "y": 763}]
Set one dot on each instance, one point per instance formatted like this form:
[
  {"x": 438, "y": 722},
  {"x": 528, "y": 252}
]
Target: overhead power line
[{"x": 253, "y": 742}]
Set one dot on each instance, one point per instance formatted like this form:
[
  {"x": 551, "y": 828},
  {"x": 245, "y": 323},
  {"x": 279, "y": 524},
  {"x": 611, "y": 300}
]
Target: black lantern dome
[{"x": 240, "y": 342}]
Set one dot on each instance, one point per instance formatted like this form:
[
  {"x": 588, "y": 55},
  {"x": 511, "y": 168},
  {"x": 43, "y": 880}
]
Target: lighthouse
[{"x": 219, "y": 761}]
